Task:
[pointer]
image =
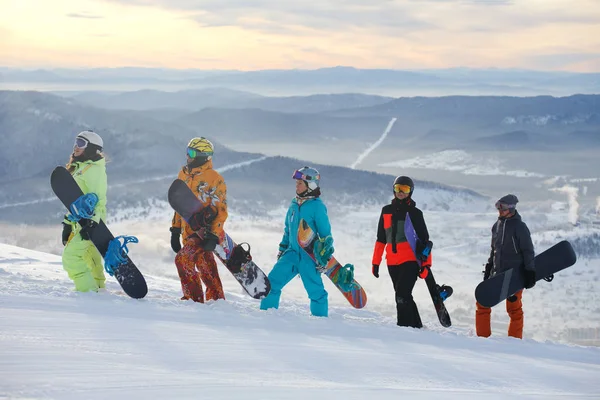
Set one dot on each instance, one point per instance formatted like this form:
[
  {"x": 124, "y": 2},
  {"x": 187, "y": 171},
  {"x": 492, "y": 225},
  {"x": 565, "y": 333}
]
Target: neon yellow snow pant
[{"x": 83, "y": 263}]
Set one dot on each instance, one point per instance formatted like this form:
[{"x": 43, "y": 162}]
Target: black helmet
[{"x": 406, "y": 181}]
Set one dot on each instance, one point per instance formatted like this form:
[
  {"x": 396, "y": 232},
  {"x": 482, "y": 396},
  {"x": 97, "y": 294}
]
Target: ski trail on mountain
[
  {"x": 240, "y": 164},
  {"x": 374, "y": 145},
  {"x": 153, "y": 179},
  {"x": 27, "y": 203}
]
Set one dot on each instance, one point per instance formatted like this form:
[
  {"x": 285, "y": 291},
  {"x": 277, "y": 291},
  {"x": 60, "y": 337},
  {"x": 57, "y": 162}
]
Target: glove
[
  {"x": 487, "y": 272},
  {"x": 66, "y": 232},
  {"x": 424, "y": 272},
  {"x": 175, "y": 243},
  {"x": 323, "y": 250},
  {"x": 529, "y": 279},
  {"x": 209, "y": 241},
  {"x": 376, "y": 270},
  {"x": 87, "y": 228}
]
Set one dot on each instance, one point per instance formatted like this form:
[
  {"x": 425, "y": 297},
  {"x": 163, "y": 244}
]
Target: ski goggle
[
  {"x": 504, "y": 206},
  {"x": 302, "y": 176},
  {"x": 399, "y": 188},
  {"x": 81, "y": 143},
  {"x": 193, "y": 153}
]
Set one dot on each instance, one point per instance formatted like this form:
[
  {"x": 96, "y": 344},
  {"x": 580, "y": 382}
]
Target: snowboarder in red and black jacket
[{"x": 400, "y": 258}]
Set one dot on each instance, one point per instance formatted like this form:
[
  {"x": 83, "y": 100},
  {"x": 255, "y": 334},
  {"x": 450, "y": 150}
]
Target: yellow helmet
[{"x": 200, "y": 147}]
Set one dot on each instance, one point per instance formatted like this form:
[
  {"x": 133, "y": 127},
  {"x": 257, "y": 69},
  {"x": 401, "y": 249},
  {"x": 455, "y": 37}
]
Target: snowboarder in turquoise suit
[{"x": 292, "y": 259}]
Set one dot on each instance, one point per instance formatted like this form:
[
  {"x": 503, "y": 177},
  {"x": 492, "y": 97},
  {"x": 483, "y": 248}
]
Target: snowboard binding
[
  {"x": 203, "y": 218},
  {"x": 83, "y": 207},
  {"x": 116, "y": 254},
  {"x": 239, "y": 256},
  {"x": 445, "y": 291}
]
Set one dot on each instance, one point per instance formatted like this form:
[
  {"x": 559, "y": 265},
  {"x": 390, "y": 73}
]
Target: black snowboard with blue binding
[{"x": 116, "y": 261}]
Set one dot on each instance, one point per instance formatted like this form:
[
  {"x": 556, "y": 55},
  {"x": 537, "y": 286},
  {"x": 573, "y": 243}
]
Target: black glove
[
  {"x": 209, "y": 241},
  {"x": 67, "y": 229},
  {"x": 529, "y": 279},
  {"x": 512, "y": 298},
  {"x": 487, "y": 271},
  {"x": 87, "y": 227},
  {"x": 376, "y": 270},
  {"x": 175, "y": 243}
]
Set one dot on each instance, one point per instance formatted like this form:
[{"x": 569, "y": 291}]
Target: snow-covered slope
[{"x": 55, "y": 343}]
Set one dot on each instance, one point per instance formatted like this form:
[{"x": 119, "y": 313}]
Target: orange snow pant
[
  {"x": 514, "y": 310},
  {"x": 196, "y": 266}
]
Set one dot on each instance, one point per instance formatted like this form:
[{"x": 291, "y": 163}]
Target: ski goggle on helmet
[
  {"x": 504, "y": 207},
  {"x": 80, "y": 142},
  {"x": 403, "y": 184},
  {"x": 310, "y": 175},
  {"x": 86, "y": 137},
  {"x": 198, "y": 147},
  {"x": 399, "y": 188}
]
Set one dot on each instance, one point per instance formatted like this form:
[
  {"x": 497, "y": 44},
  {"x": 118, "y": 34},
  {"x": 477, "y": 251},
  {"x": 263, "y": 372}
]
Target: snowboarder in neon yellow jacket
[{"x": 80, "y": 258}]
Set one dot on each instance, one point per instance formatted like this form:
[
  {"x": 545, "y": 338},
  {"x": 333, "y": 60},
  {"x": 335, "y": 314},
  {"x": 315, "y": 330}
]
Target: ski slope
[
  {"x": 59, "y": 344},
  {"x": 375, "y": 145}
]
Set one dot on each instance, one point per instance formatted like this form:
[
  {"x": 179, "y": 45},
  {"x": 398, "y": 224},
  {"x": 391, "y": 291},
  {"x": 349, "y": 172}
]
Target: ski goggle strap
[
  {"x": 302, "y": 176},
  {"x": 399, "y": 188},
  {"x": 504, "y": 206},
  {"x": 81, "y": 143},
  {"x": 193, "y": 153}
]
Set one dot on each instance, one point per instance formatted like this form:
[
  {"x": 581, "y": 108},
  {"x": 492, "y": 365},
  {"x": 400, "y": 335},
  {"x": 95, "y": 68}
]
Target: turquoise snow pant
[
  {"x": 286, "y": 268},
  {"x": 83, "y": 263}
]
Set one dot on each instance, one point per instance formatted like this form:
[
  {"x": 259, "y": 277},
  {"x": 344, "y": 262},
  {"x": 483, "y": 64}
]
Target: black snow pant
[{"x": 404, "y": 277}]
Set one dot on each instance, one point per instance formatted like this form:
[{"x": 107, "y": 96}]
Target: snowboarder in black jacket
[{"x": 512, "y": 248}]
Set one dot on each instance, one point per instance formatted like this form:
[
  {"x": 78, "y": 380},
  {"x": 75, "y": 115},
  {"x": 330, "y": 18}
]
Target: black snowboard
[
  {"x": 128, "y": 275},
  {"x": 432, "y": 286},
  {"x": 501, "y": 286},
  {"x": 235, "y": 258},
  {"x": 438, "y": 302}
]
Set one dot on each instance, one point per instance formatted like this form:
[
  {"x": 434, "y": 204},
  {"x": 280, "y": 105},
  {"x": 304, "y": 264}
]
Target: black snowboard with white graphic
[{"x": 234, "y": 256}]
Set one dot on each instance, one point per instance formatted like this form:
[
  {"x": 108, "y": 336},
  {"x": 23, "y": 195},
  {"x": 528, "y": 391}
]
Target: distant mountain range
[
  {"x": 146, "y": 147},
  {"x": 145, "y": 155},
  {"x": 385, "y": 82}
]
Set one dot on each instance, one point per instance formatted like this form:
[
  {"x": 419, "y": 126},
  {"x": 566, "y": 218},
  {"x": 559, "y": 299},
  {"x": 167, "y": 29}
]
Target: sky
[{"x": 274, "y": 34}]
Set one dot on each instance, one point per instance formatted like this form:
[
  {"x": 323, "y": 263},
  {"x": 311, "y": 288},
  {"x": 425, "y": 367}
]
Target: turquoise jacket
[{"x": 314, "y": 212}]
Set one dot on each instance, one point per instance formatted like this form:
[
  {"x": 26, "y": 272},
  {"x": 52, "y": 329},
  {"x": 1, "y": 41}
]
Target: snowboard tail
[
  {"x": 505, "y": 284},
  {"x": 357, "y": 297},
  {"x": 127, "y": 274}
]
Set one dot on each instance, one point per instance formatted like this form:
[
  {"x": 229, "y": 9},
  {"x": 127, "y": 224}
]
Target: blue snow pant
[{"x": 287, "y": 267}]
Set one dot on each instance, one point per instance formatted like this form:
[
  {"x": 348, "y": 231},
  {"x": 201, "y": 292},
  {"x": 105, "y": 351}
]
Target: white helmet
[{"x": 92, "y": 137}]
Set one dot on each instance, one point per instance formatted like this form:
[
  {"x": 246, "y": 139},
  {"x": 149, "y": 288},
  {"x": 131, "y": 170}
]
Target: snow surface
[
  {"x": 55, "y": 343},
  {"x": 59, "y": 344}
]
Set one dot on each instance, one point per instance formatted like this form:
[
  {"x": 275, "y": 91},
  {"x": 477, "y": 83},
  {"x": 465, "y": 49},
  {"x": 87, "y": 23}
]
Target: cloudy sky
[{"x": 273, "y": 34}]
